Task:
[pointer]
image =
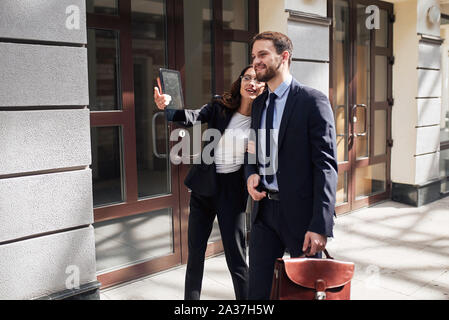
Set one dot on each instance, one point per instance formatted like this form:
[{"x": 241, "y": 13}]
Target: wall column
[
  {"x": 47, "y": 244},
  {"x": 416, "y": 111}
]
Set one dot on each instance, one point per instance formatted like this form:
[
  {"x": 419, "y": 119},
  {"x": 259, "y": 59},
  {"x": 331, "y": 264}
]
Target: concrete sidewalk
[{"x": 400, "y": 252}]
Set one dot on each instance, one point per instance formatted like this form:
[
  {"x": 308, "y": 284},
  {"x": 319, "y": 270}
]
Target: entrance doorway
[
  {"x": 361, "y": 96},
  {"x": 141, "y": 205}
]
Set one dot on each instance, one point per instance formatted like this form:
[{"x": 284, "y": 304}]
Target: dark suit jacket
[
  {"x": 307, "y": 160},
  {"x": 202, "y": 177}
]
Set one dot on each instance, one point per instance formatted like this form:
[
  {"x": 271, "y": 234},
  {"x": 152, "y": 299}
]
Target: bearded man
[{"x": 294, "y": 177}]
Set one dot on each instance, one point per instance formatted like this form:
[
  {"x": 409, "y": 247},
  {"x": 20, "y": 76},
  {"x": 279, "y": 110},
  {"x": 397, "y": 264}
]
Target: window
[
  {"x": 444, "y": 120},
  {"x": 139, "y": 197}
]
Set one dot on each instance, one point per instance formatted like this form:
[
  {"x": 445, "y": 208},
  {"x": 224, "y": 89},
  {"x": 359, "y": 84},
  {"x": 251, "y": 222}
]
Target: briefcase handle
[{"x": 328, "y": 256}]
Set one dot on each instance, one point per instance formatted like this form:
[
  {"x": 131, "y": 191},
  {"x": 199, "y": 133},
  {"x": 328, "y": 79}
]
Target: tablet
[{"x": 171, "y": 84}]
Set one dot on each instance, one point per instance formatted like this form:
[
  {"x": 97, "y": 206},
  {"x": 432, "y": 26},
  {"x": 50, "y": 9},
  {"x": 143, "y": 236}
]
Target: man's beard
[{"x": 269, "y": 74}]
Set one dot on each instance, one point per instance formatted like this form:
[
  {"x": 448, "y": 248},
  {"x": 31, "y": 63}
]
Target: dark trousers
[
  {"x": 270, "y": 237},
  {"x": 229, "y": 207}
]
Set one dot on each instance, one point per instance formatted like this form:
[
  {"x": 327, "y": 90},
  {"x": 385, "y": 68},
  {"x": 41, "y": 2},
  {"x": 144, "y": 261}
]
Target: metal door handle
[{"x": 153, "y": 128}]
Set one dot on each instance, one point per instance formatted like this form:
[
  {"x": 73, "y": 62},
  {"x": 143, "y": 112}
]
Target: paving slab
[{"x": 400, "y": 253}]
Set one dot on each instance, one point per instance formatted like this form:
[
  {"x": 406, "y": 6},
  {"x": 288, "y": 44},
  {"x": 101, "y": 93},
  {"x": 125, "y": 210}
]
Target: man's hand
[
  {"x": 313, "y": 242},
  {"x": 252, "y": 183}
]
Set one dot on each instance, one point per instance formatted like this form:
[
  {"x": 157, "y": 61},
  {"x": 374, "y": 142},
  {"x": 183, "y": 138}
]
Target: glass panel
[
  {"x": 381, "y": 74},
  {"x": 198, "y": 52},
  {"x": 103, "y": 56},
  {"x": 370, "y": 180},
  {"x": 341, "y": 120},
  {"x": 382, "y": 32},
  {"x": 363, "y": 83},
  {"x": 342, "y": 188},
  {"x": 102, "y": 6},
  {"x": 134, "y": 239},
  {"x": 107, "y": 165},
  {"x": 149, "y": 54},
  {"x": 380, "y": 132},
  {"x": 340, "y": 80},
  {"x": 444, "y": 123},
  {"x": 444, "y": 19},
  {"x": 444, "y": 132},
  {"x": 235, "y": 14},
  {"x": 362, "y": 127},
  {"x": 444, "y": 170},
  {"x": 235, "y": 59}
]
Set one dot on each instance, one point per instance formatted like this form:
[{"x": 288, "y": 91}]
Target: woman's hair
[{"x": 231, "y": 99}]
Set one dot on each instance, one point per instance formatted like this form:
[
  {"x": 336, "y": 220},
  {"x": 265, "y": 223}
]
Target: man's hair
[{"x": 280, "y": 41}]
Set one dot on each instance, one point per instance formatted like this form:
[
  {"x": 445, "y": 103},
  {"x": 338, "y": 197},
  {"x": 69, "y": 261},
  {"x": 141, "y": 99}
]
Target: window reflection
[
  {"x": 103, "y": 70},
  {"x": 198, "y": 50},
  {"x": 235, "y": 14},
  {"x": 106, "y": 165},
  {"x": 363, "y": 75},
  {"x": 235, "y": 59},
  {"x": 109, "y": 7},
  {"x": 444, "y": 170},
  {"x": 370, "y": 180},
  {"x": 340, "y": 76},
  {"x": 135, "y": 239},
  {"x": 149, "y": 54}
]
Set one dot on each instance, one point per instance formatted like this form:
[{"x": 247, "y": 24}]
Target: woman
[{"x": 219, "y": 188}]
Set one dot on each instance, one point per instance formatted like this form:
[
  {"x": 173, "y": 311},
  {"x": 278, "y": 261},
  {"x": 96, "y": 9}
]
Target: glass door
[
  {"x": 361, "y": 82},
  {"x": 141, "y": 205},
  {"x": 135, "y": 187}
]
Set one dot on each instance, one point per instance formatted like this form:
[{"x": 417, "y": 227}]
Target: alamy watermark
[
  {"x": 189, "y": 149},
  {"x": 73, "y": 279},
  {"x": 73, "y": 21},
  {"x": 373, "y": 277},
  {"x": 373, "y": 20}
]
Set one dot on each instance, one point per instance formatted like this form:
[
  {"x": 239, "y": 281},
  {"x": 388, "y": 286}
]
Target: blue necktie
[{"x": 268, "y": 127}]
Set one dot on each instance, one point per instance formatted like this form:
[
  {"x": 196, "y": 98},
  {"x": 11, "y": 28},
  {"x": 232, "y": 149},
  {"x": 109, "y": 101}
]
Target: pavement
[{"x": 400, "y": 253}]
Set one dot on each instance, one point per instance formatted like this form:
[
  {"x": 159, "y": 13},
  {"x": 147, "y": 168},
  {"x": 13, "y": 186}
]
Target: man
[{"x": 294, "y": 204}]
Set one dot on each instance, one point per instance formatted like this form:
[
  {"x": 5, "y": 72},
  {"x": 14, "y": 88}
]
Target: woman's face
[{"x": 249, "y": 86}]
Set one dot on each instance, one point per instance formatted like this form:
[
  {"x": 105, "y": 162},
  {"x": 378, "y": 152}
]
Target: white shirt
[{"x": 230, "y": 151}]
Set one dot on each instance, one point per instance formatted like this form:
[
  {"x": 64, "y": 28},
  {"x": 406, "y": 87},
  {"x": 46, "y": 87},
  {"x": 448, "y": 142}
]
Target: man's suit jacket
[{"x": 307, "y": 160}]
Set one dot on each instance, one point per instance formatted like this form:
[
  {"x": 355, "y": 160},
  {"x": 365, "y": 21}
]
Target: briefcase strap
[{"x": 328, "y": 256}]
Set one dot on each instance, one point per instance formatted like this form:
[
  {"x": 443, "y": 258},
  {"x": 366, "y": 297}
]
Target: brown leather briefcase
[{"x": 312, "y": 279}]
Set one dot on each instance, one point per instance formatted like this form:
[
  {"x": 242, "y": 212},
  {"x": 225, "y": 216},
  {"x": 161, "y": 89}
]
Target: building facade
[{"x": 88, "y": 196}]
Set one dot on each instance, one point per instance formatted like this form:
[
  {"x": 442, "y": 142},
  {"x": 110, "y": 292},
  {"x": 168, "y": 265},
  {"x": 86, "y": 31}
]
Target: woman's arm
[{"x": 186, "y": 117}]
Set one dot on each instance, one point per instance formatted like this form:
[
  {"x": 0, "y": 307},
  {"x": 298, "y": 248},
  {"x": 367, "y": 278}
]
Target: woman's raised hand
[{"x": 162, "y": 100}]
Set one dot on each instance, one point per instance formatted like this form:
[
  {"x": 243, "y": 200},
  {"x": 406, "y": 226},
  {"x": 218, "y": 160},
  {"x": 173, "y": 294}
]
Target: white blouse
[{"x": 230, "y": 151}]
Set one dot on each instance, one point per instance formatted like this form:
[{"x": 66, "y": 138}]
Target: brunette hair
[
  {"x": 232, "y": 98},
  {"x": 280, "y": 41}
]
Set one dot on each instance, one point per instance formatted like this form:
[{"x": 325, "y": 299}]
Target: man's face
[{"x": 266, "y": 61}]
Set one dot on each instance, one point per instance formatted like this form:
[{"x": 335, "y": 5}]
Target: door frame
[
  {"x": 352, "y": 163},
  {"x": 178, "y": 199},
  {"x": 125, "y": 118}
]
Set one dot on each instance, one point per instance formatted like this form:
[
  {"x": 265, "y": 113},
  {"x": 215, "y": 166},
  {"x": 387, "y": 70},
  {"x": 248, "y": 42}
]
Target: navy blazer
[
  {"x": 202, "y": 177},
  {"x": 307, "y": 170}
]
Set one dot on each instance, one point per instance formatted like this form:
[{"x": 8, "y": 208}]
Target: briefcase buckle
[{"x": 320, "y": 295}]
